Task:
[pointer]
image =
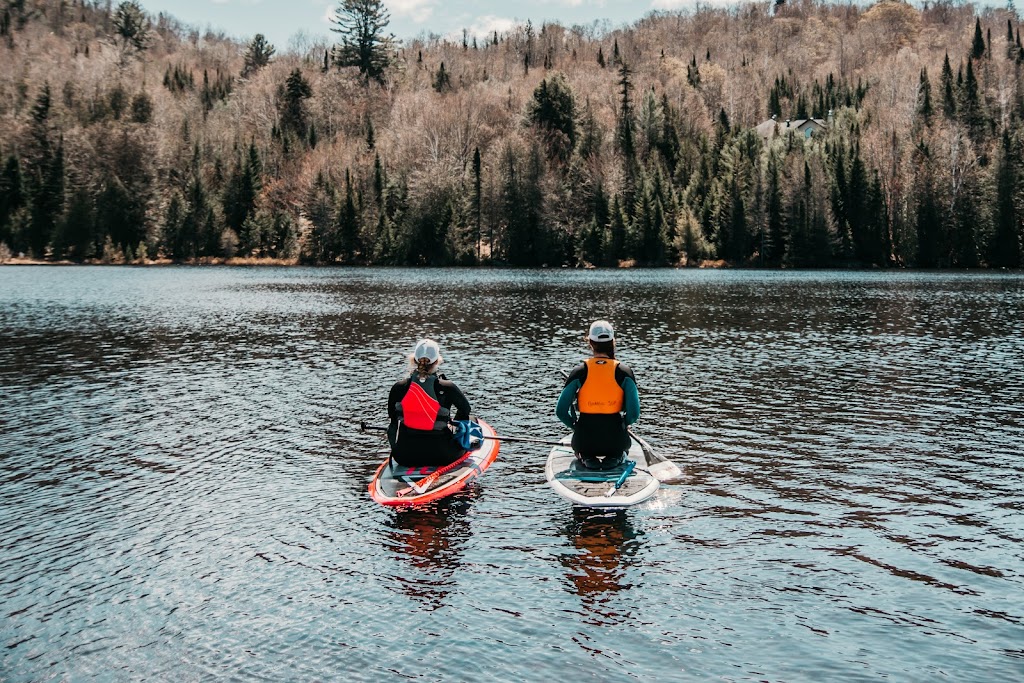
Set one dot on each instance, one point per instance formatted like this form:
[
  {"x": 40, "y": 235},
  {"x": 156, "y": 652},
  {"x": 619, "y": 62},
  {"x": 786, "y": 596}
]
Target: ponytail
[
  {"x": 605, "y": 347},
  {"x": 423, "y": 367}
]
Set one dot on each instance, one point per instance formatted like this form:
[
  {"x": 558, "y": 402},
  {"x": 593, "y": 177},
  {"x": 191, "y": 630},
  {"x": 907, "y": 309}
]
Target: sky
[{"x": 281, "y": 20}]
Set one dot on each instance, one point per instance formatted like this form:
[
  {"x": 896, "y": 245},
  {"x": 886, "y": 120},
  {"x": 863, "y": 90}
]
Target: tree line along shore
[{"x": 772, "y": 134}]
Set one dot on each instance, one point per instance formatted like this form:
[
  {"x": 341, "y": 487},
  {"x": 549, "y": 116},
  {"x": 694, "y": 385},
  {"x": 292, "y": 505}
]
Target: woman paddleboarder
[
  {"x": 607, "y": 402},
  {"x": 420, "y": 409}
]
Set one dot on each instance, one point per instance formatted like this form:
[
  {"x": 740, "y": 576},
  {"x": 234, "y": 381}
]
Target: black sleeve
[
  {"x": 622, "y": 371},
  {"x": 579, "y": 372},
  {"x": 394, "y": 396},
  {"x": 451, "y": 395}
]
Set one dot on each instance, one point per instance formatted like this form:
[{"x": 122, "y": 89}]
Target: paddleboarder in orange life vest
[
  {"x": 607, "y": 402},
  {"x": 420, "y": 409}
]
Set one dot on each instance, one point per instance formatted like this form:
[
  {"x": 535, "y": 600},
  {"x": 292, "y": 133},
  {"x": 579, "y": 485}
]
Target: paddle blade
[{"x": 665, "y": 470}]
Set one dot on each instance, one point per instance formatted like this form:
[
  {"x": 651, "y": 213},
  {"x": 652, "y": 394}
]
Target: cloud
[
  {"x": 416, "y": 10},
  {"x": 680, "y": 4},
  {"x": 485, "y": 26}
]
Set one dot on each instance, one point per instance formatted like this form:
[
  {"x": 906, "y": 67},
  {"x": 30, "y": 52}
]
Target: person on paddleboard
[
  {"x": 606, "y": 402},
  {"x": 420, "y": 409}
]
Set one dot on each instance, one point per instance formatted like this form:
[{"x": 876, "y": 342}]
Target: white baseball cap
[
  {"x": 601, "y": 331},
  {"x": 428, "y": 350}
]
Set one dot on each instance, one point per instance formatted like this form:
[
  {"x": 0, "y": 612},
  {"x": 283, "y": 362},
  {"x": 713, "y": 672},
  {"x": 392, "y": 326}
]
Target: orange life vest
[{"x": 600, "y": 393}]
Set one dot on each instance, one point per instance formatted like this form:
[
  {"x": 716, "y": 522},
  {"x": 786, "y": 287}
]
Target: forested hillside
[{"x": 127, "y": 137}]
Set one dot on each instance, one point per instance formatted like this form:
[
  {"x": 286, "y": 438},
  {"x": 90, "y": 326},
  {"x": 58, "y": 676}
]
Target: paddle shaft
[{"x": 520, "y": 439}]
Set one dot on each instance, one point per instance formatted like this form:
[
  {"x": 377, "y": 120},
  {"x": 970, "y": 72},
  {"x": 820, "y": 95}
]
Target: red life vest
[{"x": 419, "y": 408}]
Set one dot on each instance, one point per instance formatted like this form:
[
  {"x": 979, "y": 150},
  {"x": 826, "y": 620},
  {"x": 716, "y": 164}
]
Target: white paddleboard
[{"x": 596, "y": 488}]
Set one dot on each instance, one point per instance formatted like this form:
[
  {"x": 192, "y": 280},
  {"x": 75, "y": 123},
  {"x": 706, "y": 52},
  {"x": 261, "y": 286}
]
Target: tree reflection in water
[
  {"x": 429, "y": 542},
  {"x": 606, "y": 543}
]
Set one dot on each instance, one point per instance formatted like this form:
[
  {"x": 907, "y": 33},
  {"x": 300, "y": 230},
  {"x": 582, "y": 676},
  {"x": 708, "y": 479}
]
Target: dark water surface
[{"x": 183, "y": 483}]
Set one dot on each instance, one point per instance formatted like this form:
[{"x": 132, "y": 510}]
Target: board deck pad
[
  {"x": 402, "y": 486},
  {"x": 587, "y": 487}
]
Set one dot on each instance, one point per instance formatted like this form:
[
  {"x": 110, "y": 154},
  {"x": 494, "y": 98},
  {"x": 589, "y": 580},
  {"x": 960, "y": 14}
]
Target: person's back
[
  {"x": 420, "y": 409},
  {"x": 606, "y": 402}
]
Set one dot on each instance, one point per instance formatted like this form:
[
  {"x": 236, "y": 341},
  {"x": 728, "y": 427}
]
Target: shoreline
[{"x": 252, "y": 262}]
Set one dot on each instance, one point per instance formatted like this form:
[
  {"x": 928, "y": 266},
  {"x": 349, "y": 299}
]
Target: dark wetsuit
[
  {"x": 426, "y": 447},
  {"x": 600, "y": 434}
]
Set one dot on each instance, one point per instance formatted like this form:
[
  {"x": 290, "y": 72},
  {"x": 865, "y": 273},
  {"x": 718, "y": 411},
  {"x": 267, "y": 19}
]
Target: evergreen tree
[
  {"x": 239, "y": 199},
  {"x": 626, "y": 123},
  {"x": 1005, "y": 249},
  {"x": 12, "y": 198},
  {"x": 928, "y": 217},
  {"x": 971, "y": 112},
  {"x": 364, "y": 44},
  {"x": 617, "y": 228},
  {"x": 948, "y": 93},
  {"x": 978, "y": 44},
  {"x": 442, "y": 81},
  {"x": 348, "y": 224},
  {"x": 293, "y": 94},
  {"x": 600, "y": 57},
  {"x": 553, "y": 111},
  {"x": 131, "y": 27},
  {"x": 79, "y": 226},
  {"x": 46, "y": 178},
  {"x": 775, "y": 238},
  {"x": 257, "y": 55},
  {"x": 924, "y": 98},
  {"x": 193, "y": 239},
  {"x": 477, "y": 200}
]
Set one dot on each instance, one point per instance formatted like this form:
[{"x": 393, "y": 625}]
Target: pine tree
[
  {"x": 617, "y": 228},
  {"x": 12, "y": 198},
  {"x": 775, "y": 233},
  {"x": 626, "y": 123},
  {"x": 348, "y": 224},
  {"x": 978, "y": 44},
  {"x": 131, "y": 27},
  {"x": 1005, "y": 249},
  {"x": 363, "y": 42},
  {"x": 477, "y": 200},
  {"x": 293, "y": 94},
  {"x": 971, "y": 112},
  {"x": 948, "y": 93},
  {"x": 924, "y": 98},
  {"x": 442, "y": 81},
  {"x": 553, "y": 111},
  {"x": 257, "y": 55}
]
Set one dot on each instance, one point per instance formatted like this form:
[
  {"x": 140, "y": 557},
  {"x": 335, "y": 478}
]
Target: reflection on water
[
  {"x": 183, "y": 484},
  {"x": 605, "y": 545},
  {"x": 427, "y": 544}
]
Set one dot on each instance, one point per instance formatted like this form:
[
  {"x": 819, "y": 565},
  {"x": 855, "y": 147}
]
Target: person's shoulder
[
  {"x": 578, "y": 372},
  {"x": 624, "y": 370}
]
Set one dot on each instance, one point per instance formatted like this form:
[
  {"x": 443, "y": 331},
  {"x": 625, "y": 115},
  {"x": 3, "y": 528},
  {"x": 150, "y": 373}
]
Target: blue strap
[{"x": 469, "y": 435}]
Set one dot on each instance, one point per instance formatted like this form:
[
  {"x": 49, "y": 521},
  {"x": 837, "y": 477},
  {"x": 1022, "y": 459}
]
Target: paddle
[
  {"x": 426, "y": 482},
  {"x": 662, "y": 468},
  {"x": 621, "y": 480},
  {"x": 520, "y": 439}
]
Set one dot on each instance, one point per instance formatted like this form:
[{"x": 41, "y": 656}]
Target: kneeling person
[
  {"x": 607, "y": 402},
  {"x": 420, "y": 409}
]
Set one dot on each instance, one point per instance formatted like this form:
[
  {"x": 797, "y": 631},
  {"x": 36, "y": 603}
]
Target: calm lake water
[{"x": 183, "y": 482}]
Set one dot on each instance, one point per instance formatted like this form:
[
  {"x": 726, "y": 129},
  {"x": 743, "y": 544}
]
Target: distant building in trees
[{"x": 806, "y": 127}]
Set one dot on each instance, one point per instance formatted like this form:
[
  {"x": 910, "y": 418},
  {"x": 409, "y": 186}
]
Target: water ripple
[{"x": 183, "y": 482}]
